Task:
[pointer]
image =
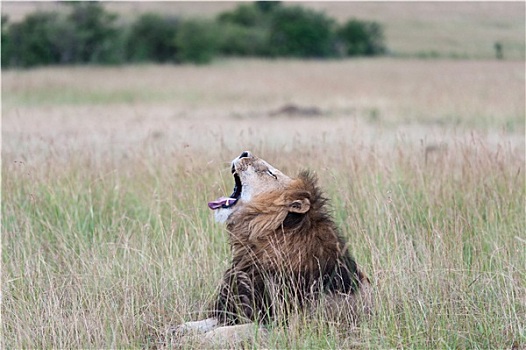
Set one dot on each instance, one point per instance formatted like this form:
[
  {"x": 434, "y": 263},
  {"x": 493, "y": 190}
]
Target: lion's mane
[{"x": 283, "y": 257}]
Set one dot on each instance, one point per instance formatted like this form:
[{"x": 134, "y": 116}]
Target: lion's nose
[{"x": 245, "y": 154}]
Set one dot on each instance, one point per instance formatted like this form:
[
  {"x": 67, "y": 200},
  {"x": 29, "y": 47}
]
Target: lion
[{"x": 286, "y": 252}]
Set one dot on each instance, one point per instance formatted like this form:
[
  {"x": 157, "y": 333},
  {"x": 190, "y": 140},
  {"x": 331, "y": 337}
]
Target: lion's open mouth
[{"x": 227, "y": 202}]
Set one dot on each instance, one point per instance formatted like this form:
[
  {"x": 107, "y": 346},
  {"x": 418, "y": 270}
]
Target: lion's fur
[
  {"x": 285, "y": 246},
  {"x": 287, "y": 254}
]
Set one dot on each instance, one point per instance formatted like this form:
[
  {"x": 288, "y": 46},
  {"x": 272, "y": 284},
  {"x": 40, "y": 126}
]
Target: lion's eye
[{"x": 272, "y": 174}]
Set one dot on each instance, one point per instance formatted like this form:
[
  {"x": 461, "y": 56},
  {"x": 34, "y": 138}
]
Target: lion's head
[
  {"x": 254, "y": 178},
  {"x": 283, "y": 240}
]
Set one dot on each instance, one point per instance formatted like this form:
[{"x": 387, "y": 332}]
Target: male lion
[{"x": 286, "y": 250}]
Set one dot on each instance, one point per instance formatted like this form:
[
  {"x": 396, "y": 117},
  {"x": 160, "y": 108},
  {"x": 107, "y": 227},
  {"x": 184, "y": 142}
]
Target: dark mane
[{"x": 280, "y": 254}]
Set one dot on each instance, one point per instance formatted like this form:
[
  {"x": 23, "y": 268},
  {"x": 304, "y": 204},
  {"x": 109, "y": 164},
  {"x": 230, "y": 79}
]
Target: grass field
[{"x": 106, "y": 172}]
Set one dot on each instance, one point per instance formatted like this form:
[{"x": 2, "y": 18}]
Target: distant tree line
[{"x": 87, "y": 33}]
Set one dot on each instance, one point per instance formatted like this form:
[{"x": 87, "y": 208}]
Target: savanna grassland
[{"x": 106, "y": 172}]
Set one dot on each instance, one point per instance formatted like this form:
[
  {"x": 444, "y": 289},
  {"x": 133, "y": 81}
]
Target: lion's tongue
[{"x": 223, "y": 201}]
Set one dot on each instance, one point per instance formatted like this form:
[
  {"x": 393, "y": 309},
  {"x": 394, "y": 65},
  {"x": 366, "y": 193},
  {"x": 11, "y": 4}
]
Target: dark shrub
[
  {"x": 244, "y": 31},
  {"x": 361, "y": 38},
  {"x": 5, "y": 42},
  {"x": 33, "y": 41},
  {"x": 300, "y": 32},
  {"x": 197, "y": 41},
  {"x": 89, "y": 34},
  {"x": 86, "y": 35},
  {"x": 152, "y": 38},
  {"x": 236, "y": 40},
  {"x": 96, "y": 35},
  {"x": 267, "y": 6},
  {"x": 246, "y": 15}
]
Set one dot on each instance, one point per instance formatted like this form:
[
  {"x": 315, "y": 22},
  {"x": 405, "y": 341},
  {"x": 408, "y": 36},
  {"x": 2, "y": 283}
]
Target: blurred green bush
[
  {"x": 299, "y": 32},
  {"x": 31, "y": 42},
  {"x": 237, "y": 40},
  {"x": 151, "y": 38},
  {"x": 197, "y": 41},
  {"x": 361, "y": 38},
  {"x": 88, "y": 33}
]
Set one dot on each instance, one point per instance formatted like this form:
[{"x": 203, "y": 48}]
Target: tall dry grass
[
  {"x": 107, "y": 254},
  {"x": 107, "y": 239}
]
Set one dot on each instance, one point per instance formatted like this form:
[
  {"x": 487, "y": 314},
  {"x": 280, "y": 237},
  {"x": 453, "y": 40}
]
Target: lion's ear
[{"x": 300, "y": 206}]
